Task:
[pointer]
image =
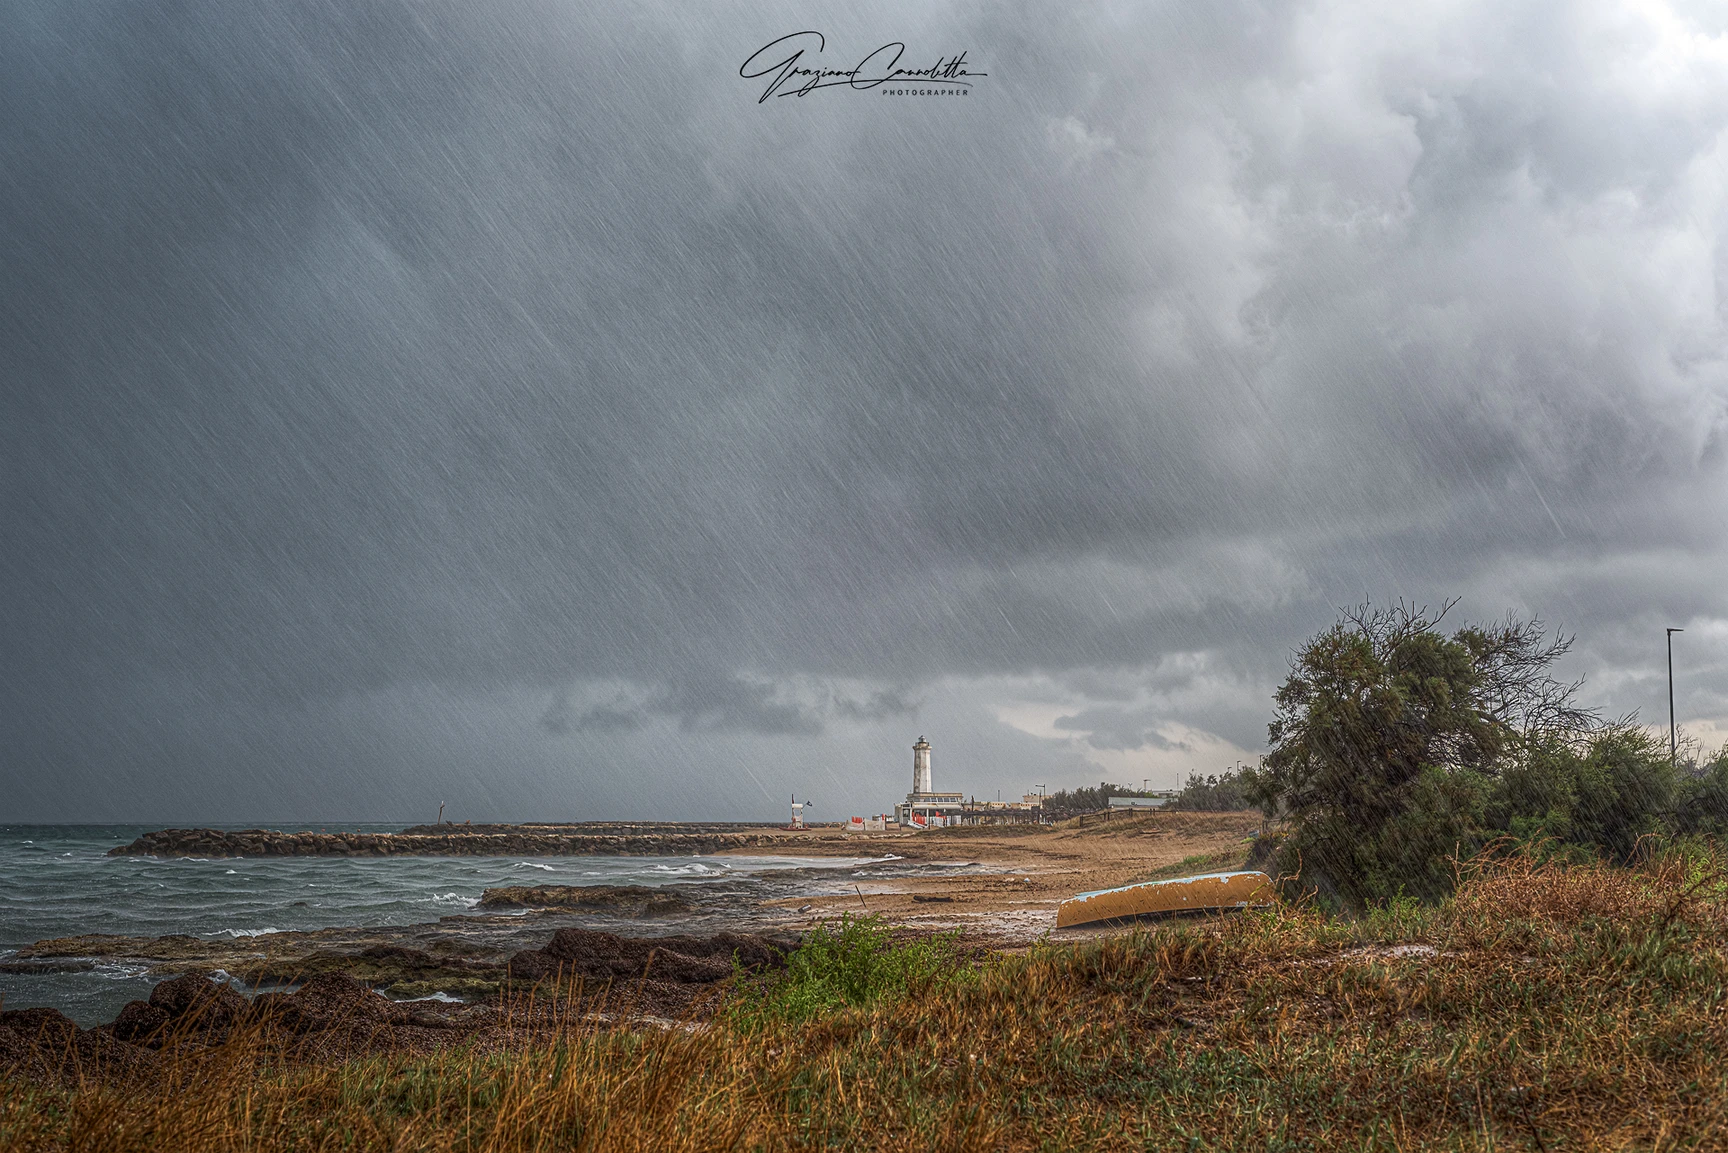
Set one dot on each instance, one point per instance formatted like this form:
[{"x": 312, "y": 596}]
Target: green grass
[
  {"x": 1224, "y": 861},
  {"x": 847, "y": 964}
]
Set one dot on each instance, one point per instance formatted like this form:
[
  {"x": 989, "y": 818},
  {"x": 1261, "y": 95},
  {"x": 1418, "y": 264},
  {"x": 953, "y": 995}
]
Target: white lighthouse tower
[{"x": 924, "y": 807}]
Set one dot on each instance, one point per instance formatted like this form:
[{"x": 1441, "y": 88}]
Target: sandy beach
[{"x": 1032, "y": 869}]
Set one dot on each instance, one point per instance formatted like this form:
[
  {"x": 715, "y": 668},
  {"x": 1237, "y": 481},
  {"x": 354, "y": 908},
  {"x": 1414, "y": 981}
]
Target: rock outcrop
[
  {"x": 186, "y": 1004},
  {"x": 328, "y": 1001},
  {"x": 41, "y": 1026},
  {"x": 406, "y": 960},
  {"x": 591, "y": 956},
  {"x": 45, "y": 1045}
]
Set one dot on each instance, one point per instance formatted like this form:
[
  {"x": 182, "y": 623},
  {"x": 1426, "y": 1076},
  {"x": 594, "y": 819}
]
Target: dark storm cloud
[
  {"x": 1116, "y": 729},
  {"x": 881, "y": 705},
  {"x": 414, "y": 349},
  {"x": 725, "y": 702}
]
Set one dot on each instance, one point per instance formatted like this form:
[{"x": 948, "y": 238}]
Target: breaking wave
[
  {"x": 454, "y": 899},
  {"x": 695, "y": 869}
]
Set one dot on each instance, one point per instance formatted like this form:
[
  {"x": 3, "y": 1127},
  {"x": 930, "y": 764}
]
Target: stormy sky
[{"x": 502, "y": 405}]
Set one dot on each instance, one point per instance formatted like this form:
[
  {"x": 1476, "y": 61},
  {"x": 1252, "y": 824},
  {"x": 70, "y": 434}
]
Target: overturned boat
[{"x": 1210, "y": 891}]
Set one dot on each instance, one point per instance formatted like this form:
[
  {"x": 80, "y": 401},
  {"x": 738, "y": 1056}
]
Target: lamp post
[{"x": 1673, "y": 743}]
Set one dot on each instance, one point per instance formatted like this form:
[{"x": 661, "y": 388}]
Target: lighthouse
[
  {"x": 921, "y": 766},
  {"x": 924, "y": 807}
]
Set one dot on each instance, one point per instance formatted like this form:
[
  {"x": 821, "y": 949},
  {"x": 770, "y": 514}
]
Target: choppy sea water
[{"x": 57, "y": 881}]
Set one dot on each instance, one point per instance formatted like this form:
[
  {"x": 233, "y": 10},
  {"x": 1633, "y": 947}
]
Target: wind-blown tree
[{"x": 1388, "y": 736}]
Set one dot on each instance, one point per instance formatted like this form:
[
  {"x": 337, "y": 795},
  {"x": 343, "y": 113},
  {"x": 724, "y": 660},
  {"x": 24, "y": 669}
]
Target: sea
[{"x": 58, "y": 881}]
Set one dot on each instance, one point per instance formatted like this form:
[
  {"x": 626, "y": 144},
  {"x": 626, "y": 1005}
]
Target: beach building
[
  {"x": 1028, "y": 810},
  {"x": 924, "y": 807}
]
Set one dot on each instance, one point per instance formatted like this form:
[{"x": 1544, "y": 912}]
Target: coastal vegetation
[
  {"x": 1225, "y": 792},
  {"x": 1543, "y": 1004},
  {"x": 1396, "y": 748},
  {"x": 843, "y": 964},
  {"x": 1065, "y": 803}
]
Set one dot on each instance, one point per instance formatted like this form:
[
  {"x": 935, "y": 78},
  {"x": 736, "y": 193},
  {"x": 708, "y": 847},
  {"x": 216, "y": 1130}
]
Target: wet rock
[
  {"x": 430, "y": 957},
  {"x": 327, "y": 1001},
  {"x": 38, "y": 1025},
  {"x": 43, "y": 1045},
  {"x": 139, "y": 1021},
  {"x": 625, "y": 900},
  {"x": 594, "y": 956},
  {"x": 401, "y": 957},
  {"x": 187, "y": 1003},
  {"x": 192, "y": 999},
  {"x": 57, "y": 965}
]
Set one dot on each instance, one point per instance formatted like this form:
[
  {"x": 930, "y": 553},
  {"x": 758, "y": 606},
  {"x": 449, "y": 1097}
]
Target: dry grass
[{"x": 1545, "y": 1008}]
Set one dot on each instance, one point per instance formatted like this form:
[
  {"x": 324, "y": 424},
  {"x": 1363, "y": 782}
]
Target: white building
[
  {"x": 1156, "y": 800},
  {"x": 923, "y": 806}
]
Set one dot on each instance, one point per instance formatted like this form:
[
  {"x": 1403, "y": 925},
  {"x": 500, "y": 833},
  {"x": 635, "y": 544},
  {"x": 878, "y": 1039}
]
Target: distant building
[
  {"x": 1156, "y": 800},
  {"x": 1028, "y": 810}
]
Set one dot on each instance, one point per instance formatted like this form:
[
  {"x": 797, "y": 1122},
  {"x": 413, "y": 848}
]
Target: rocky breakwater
[{"x": 269, "y": 843}]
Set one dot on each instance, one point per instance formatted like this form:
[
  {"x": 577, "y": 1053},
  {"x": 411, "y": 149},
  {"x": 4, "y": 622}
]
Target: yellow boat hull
[{"x": 1182, "y": 895}]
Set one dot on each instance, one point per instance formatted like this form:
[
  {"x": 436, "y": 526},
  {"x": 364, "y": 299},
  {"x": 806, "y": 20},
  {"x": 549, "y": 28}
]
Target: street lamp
[{"x": 1673, "y": 744}]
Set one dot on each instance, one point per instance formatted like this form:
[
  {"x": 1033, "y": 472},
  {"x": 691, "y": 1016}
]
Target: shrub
[
  {"x": 852, "y": 963},
  {"x": 1701, "y": 804},
  {"x": 1064, "y": 803},
  {"x": 1603, "y": 798},
  {"x": 1226, "y": 792}
]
